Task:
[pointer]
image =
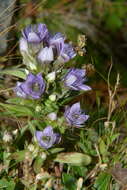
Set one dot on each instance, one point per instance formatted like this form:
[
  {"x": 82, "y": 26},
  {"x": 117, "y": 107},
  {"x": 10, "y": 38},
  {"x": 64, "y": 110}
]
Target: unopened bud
[
  {"x": 15, "y": 132},
  {"x": 23, "y": 46},
  {"x": 38, "y": 108},
  {"x": 32, "y": 66},
  {"x": 52, "y": 116},
  {"x": 43, "y": 156},
  {"x": 52, "y": 97},
  {"x": 31, "y": 147},
  {"x": 7, "y": 137},
  {"x": 79, "y": 183},
  {"x": 51, "y": 76},
  {"x": 39, "y": 176},
  {"x": 26, "y": 71}
]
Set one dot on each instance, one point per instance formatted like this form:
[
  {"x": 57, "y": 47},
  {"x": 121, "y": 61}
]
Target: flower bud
[
  {"x": 43, "y": 156},
  {"x": 52, "y": 97},
  {"x": 23, "y": 46},
  {"x": 7, "y": 137},
  {"x": 38, "y": 108},
  {"x": 31, "y": 147},
  {"x": 79, "y": 183},
  {"x": 51, "y": 76},
  {"x": 26, "y": 71},
  {"x": 52, "y": 116},
  {"x": 46, "y": 55},
  {"x": 32, "y": 66},
  {"x": 15, "y": 132},
  {"x": 39, "y": 176}
]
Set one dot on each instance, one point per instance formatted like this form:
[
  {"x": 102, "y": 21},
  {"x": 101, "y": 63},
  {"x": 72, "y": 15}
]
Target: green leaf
[
  {"x": 16, "y": 100},
  {"x": 79, "y": 171},
  {"x": 18, "y": 110},
  {"x": 6, "y": 160},
  {"x": 73, "y": 158},
  {"x": 55, "y": 150},
  {"x": 103, "y": 181},
  {"x": 21, "y": 101},
  {"x": 68, "y": 181},
  {"x": 102, "y": 147},
  {"x": 9, "y": 185},
  {"x": 20, "y": 73},
  {"x": 3, "y": 183},
  {"x": 37, "y": 164},
  {"x": 19, "y": 156}
]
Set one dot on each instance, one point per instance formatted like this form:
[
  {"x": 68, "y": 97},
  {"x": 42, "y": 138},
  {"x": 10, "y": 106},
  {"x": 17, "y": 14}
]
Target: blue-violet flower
[
  {"x": 47, "y": 138},
  {"x": 75, "y": 116},
  {"x": 35, "y": 33},
  {"x": 67, "y": 53},
  {"x": 33, "y": 87},
  {"x": 75, "y": 78},
  {"x": 63, "y": 51}
]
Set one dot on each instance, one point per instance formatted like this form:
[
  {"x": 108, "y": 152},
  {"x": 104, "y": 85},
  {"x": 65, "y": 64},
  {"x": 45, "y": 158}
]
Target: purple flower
[
  {"x": 34, "y": 87},
  {"x": 47, "y": 138},
  {"x": 19, "y": 91},
  {"x": 35, "y": 33},
  {"x": 75, "y": 116},
  {"x": 23, "y": 45},
  {"x": 75, "y": 78},
  {"x": 67, "y": 53},
  {"x": 62, "y": 50},
  {"x": 57, "y": 43},
  {"x": 46, "y": 55}
]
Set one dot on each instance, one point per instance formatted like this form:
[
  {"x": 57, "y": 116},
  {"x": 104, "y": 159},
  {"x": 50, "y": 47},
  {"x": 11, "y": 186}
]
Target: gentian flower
[
  {"x": 67, "y": 53},
  {"x": 57, "y": 43},
  {"x": 53, "y": 48},
  {"x": 33, "y": 87},
  {"x": 75, "y": 78},
  {"x": 75, "y": 116},
  {"x": 63, "y": 51},
  {"x": 46, "y": 55},
  {"x": 19, "y": 91},
  {"x": 47, "y": 138},
  {"x": 35, "y": 33}
]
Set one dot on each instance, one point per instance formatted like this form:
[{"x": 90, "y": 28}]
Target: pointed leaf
[{"x": 73, "y": 158}]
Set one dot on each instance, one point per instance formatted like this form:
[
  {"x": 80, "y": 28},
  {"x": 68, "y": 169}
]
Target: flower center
[
  {"x": 75, "y": 116},
  {"x": 46, "y": 138},
  {"x": 36, "y": 87}
]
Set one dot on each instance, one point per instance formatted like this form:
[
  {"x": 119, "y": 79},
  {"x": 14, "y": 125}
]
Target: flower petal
[
  {"x": 84, "y": 87},
  {"x": 75, "y": 108},
  {"x": 46, "y": 55}
]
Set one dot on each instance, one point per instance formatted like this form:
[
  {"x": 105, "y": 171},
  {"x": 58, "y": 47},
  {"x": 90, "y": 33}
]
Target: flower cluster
[
  {"x": 48, "y": 47},
  {"x": 39, "y": 47}
]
